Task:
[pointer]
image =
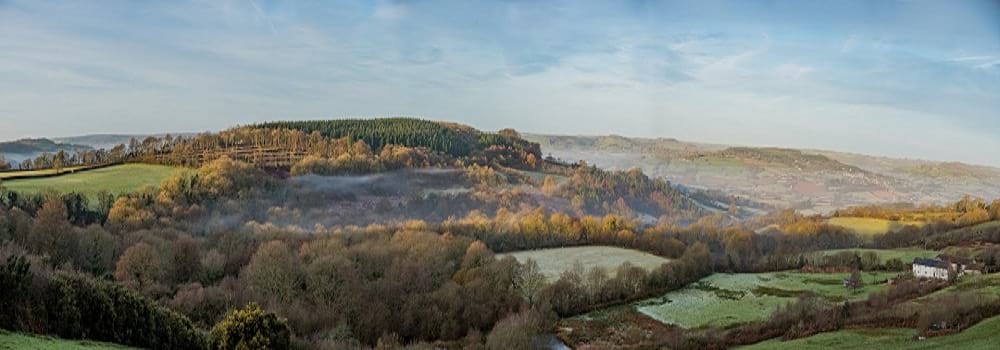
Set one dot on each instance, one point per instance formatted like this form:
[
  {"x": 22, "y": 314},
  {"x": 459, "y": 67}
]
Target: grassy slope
[
  {"x": 869, "y": 226},
  {"x": 727, "y": 299},
  {"x": 979, "y": 337},
  {"x": 987, "y": 286},
  {"x": 34, "y": 342},
  {"x": 905, "y": 254},
  {"x": 116, "y": 179},
  {"x": 554, "y": 261}
]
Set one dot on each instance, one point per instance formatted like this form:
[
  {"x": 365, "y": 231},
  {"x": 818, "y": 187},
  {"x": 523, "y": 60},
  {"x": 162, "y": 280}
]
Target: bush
[
  {"x": 77, "y": 306},
  {"x": 251, "y": 328},
  {"x": 515, "y": 332}
]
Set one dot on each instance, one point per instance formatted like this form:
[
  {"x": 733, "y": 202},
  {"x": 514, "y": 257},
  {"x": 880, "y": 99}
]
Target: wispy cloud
[
  {"x": 263, "y": 16},
  {"x": 657, "y": 67},
  {"x": 793, "y": 71}
]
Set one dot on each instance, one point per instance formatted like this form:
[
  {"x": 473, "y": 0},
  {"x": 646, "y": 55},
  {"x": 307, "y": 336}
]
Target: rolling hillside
[
  {"x": 17, "y": 151},
  {"x": 812, "y": 181}
]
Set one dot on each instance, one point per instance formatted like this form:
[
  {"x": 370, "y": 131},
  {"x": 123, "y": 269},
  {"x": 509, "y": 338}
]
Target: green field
[
  {"x": 554, "y": 261},
  {"x": 985, "y": 286},
  {"x": 12, "y": 341},
  {"x": 727, "y": 299},
  {"x": 984, "y": 335},
  {"x": 869, "y": 226},
  {"x": 906, "y": 255},
  {"x": 116, "y": 179}
]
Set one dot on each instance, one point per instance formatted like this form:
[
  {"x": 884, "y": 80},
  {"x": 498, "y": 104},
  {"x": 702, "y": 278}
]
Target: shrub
[
  {"x": 251, "y": 328},
  {"x": 77, "y": 306}
]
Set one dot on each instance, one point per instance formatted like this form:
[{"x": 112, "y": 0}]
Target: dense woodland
[
  {"x": 451, "y": 139},
  {"x": 396, "y": 250}
]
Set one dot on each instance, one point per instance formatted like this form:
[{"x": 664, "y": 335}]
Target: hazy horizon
[
  {"x": 905, "y": 79},
  {"x": 532, "y": 132}
]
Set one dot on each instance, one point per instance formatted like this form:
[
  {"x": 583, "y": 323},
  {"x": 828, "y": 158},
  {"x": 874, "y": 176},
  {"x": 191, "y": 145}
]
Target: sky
[{"x": 915, "y": 79}]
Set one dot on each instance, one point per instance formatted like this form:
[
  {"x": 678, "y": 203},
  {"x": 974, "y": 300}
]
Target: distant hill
[
  {"x": 32, "y": 146},
  {"x": 783, "y": 157},
  {"x": 809, "y": 180},
  {"x": 950, "y": 170},
  {"x": 108, "y": 141},
  {"x": 17, "y": 151}
]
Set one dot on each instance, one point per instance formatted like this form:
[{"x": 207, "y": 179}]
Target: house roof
[{"x": 931, "y": 263}]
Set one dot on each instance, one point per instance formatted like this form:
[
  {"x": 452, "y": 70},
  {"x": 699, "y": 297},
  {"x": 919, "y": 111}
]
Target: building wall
[{"x": 930, "y": 272}]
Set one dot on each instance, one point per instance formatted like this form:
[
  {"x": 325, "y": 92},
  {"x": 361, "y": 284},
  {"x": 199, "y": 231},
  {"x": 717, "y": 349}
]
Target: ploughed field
[
  {"x": 982, "y": 336},
  {"x": 727, "y": 299},
  {"x": 118, "y": 179},
  {"x": 554, "y": 261},
  {"x": 12, "y": 341}
]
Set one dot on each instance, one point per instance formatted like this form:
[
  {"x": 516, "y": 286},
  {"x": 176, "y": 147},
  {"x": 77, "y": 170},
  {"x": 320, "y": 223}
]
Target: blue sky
[{"x": 917, "y": 79}]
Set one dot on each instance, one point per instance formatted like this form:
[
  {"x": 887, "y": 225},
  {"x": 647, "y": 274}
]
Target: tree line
[
  {"x": 966, "y": 211},
  {"x": 451, "y": 139},
  {"x": 63, "y": 159}
]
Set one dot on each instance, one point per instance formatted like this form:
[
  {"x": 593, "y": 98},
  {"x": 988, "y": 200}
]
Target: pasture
[
  {"x": 870, "y": 226},
  {"x": 554, "y": 261},
  {"x": 982, "y": 336},
  {"x": 983, "y": 286},
  {"x": 905, "y": 255},
  {"x": 12, "y": 341},
  {"x": 118, "y": 179},
  {"x": 727, "y": 299}
]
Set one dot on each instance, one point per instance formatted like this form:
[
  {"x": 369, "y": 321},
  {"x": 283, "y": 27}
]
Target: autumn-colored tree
[
  {"x": 549, "y": 185},
  {"x": 974, "y": 216},
  {"x": 185, "y": 259},
  {"x": 139, "y": 267},
  {"x": 531, "y": 161},
  {"x": 515, "y": 332},
  {"x": 529, "y": 280},
  {"x": 52, "y": 233},
  {"x": 97, "y": 250},
  {"x": 273, "y": 271},
  {"x": 225, "y": 177},
  {"x": 131, "y": 213},
  {"x": 477, "y": 255}
]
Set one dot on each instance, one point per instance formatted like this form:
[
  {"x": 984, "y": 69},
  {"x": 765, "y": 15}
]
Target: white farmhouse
[{"x": 931, "y": 268}]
